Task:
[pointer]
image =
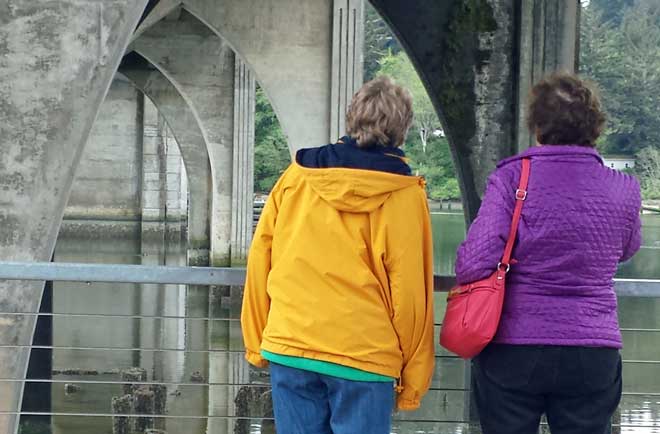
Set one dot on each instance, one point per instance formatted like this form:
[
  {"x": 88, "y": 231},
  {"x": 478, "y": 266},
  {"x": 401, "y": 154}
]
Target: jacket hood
[
  {"x": 348, "y": 154},
  {"x": 354, "y": 179},
  {"x": 355, "y": 190}
]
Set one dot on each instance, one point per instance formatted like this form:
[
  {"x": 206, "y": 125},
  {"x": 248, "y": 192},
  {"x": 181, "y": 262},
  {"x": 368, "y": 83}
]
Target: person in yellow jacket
[{"x": 339, "y": 290}]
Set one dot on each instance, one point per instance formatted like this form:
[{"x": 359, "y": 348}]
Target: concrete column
[
  {"x": 201, "y": 67},
  {"x": 190, "y": 138},
  {"x": 175, "y": 173},
  {"x": 162, "y": 216},
  {"x": 549, "y": 39},
  {"x": 57, "y": 60},
  {"x": 347, "y": 61},
  {"x": 154, "y": 170},
  {"x": 243, "y": 182}
]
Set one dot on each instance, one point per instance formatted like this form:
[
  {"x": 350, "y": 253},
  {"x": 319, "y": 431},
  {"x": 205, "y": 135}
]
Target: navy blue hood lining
[{"x": 347, "y": 154}]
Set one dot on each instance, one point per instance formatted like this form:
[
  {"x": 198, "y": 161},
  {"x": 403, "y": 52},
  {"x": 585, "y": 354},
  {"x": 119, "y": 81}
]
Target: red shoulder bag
[{"x": 474, "y": 310}]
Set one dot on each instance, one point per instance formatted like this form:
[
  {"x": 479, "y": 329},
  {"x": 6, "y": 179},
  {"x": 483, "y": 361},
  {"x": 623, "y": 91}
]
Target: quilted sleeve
[
  {"x": 634, "y": 240},
  {"x": 478, "y": 255}
]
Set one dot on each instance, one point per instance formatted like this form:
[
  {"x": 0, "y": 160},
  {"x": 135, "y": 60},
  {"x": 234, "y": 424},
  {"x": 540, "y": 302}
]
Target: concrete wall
[
  {"x": 107, "y": 183},
  {"x": 131, "y": 169}
]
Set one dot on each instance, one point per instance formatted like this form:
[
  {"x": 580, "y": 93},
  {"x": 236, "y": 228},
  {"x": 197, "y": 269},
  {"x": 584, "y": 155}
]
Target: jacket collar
[
  {"x": 379, "y": 149},
  {"x": 555, "y": 151}
]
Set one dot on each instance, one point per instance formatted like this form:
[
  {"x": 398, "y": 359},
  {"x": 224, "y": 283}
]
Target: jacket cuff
[
  {"x": 255, "y": 359},
  {"x": 405, "y": 404}
]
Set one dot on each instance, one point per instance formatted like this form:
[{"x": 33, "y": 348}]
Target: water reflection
[{"x": 136, "y": 321}]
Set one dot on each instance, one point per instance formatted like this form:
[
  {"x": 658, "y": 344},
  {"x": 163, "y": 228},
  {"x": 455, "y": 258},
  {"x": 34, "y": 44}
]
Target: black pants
[{"x": 578, "y": 388}]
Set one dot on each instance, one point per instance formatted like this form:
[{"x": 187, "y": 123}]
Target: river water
[{"x": 144, "y": 326}]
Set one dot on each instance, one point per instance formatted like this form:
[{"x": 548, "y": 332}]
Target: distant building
[{"x": 619, "y": 162}]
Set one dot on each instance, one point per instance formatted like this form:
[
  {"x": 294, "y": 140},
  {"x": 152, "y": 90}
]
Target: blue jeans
[{"x": 309, "y": 403}]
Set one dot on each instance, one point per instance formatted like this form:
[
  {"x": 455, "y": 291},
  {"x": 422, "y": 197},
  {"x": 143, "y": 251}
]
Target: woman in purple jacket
[{"x": 557, "y": 347}]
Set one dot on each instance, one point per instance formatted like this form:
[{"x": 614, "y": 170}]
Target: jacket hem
[
  {"x": 581, "y": 342},
  {"x": 332, "y": 358},
  {"x": 255, "y": 359}
]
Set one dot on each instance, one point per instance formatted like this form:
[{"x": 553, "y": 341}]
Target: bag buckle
[
  {"x": 521, "y": 194},
  {"x": 506, "y": 269}
]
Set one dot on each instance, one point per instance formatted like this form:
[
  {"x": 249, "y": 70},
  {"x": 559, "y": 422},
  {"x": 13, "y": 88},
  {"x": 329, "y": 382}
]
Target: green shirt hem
[{"x": 326, "y": 368}]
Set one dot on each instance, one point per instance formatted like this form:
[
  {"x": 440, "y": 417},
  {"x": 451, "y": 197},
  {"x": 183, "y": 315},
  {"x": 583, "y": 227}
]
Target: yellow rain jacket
[{"x": 341, "y": 270}]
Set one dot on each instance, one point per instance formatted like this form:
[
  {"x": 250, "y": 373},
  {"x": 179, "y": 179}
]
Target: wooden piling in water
[
  {"x": 160, "y": 398},
  {"x": 130, "y": 376},
  {"x": 122, "y": 406},
  {"x": 144, "y": 405}
]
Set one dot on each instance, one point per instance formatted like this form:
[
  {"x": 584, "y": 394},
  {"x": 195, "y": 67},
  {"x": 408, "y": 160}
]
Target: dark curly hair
[{"x": 565, "y": 110}]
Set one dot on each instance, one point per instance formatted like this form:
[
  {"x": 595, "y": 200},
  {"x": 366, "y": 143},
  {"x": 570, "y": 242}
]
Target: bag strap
[{"x": 521, "y": 195}]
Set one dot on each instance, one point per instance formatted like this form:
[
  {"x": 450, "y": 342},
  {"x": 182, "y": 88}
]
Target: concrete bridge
[{"x": 196, "y": 64}]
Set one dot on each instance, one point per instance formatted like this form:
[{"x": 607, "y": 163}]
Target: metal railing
[
  {"x": 120, "y": 273},
  {"x": 248, "y": 391}
]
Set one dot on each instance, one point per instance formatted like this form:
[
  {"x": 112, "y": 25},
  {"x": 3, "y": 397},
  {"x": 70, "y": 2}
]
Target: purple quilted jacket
[{"x": 579, "y": 221}]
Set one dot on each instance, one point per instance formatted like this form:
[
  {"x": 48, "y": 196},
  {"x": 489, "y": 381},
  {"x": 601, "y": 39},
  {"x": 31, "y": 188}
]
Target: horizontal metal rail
[
  {"x": 120, "y": 273},
  {"x": 152, "y": 274},
  {"x": 222, "y": 351},
  {"x": 397, "y": 420},
  {"x": 195, "y": 318},
  {"x": 213, "y": 384}
]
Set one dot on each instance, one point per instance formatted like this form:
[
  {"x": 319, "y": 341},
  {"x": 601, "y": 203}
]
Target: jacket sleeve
[
  {"x": 256, "y": 302},
  {"x": 634, "y": 240},
  {"x": 478, "y": 255},
  {"x": 409, "y": 263}
]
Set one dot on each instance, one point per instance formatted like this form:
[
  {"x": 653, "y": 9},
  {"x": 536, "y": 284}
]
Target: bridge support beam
[
  {"x": 347, "y": 61},
  {"x": 287, "y": 43},
  {"x": 58, "y": 60},
  {"x": 548, "y": 41},
  {"x": 243, "y": 163},
  {"x": 201, "y": 67},
  {"x": 184, "y": 125}
]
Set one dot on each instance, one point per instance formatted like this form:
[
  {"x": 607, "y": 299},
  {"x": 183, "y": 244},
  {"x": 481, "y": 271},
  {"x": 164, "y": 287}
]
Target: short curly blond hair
[{"x": 380, "y": 114}]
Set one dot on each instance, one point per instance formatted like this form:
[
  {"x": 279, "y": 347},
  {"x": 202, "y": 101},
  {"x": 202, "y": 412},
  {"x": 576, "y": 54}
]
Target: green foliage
[
  {"x": 399, "y": 67},
  {"x": 426, "y": 145},
  {"x": 378, "y": 41},
  {"x": 435, "y": 165},
  {"x": 271, "y": 152},
  {"x": 619, "y": 50},
  {"x": 647, "y": 168}
]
